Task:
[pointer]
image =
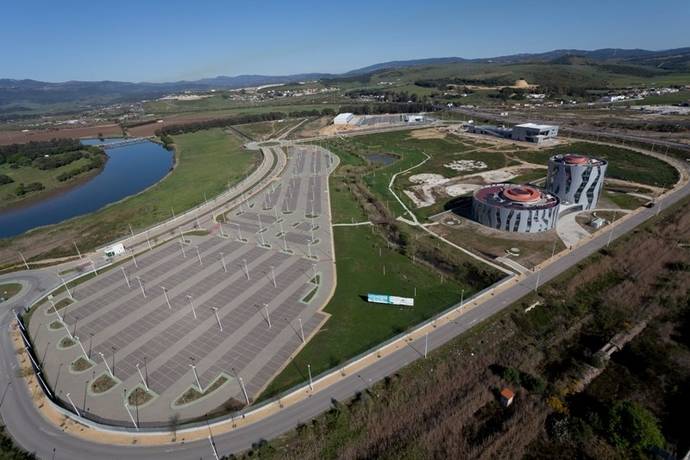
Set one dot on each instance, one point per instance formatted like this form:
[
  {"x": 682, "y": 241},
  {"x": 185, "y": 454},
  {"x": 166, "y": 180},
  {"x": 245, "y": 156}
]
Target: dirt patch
[
  {"x": 429, "y": 133},
  {"x": 19, "y": 137}
]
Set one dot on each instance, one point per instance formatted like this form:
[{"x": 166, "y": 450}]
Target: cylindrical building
[
  {"x": 515, "y": 208},
  {"x": 576, "y": 179}
]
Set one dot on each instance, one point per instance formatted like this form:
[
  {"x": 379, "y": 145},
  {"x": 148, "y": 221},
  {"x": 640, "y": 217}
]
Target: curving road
[{"x": 35, "y": 434}]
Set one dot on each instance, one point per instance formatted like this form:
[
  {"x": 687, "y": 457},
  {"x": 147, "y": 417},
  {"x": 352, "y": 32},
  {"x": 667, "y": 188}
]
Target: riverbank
[
  {"x": 206, "y": 163},
  {"x": 62, "y": 187}
]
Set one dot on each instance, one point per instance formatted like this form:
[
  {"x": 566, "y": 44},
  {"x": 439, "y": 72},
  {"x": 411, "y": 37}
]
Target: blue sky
[{"x": 165, "y": 40}]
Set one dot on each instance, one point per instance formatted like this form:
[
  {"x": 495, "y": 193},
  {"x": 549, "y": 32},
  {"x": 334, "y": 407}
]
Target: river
[{"x": 129, "y": 170}]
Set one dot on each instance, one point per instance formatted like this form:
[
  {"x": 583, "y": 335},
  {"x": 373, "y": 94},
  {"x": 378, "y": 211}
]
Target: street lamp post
[
  {"x": 215, "y": 312},
  {"x": 69, "y": 293},
  {"x": 268, "y": 315},
  {"x": 141, "y": 285},
  {"x": 196, "y": 377},
  {"x": 125, "y": 275},
  {"x": 222, "y": 261},
  {"x": 167, "y": 299},
  {"x": 110, "y": 371},
  {"x": 74, "y": 406},
  {"x": 191, "y": 303},
  {"x": 143, "y": 380}
]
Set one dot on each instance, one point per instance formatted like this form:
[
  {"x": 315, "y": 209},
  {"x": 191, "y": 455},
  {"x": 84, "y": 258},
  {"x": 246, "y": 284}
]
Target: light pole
[
  {"x": 125, "y": 275},
  {"x": 110, "y": 371},
  {"x": 244, "y": 389},
  {"x": 143, "y": 380},
  {"x": 246, "y": 269},
  {"x": 462, "y": 298},
  {"x": 66, "y": 288},
  {"x": 222, "y": 261},
  {"x": 93, "y": 265},
  {"x": 74, "y": 406},
  {"x": 198, "y": 255},
  {"x": 134, "y": 258},
  {"x": 215, "y": 312},
  {"x": 612, "y": 229},
  {"x": 426, "y": 344},
  {"x": 130, "y": 413},
  {"x": 147, "y": 240},
  {"x": 536, "y": 284},
  {"x": 196, "y": 377},
  {"x": 184, "y": 255},
  {"x": 213, "y": 447},
  {"x": 167, "y": 299},
  {"x": 189, "y": 297},
  {"x": 311, "y": 383},
  {"x": 81, "y": 346},
  {"x": 268, "y": 315},
  {"x": 141, "y": 285},
  {"x": 301, "y": 329},
  {"x": 273, "y": 274}
]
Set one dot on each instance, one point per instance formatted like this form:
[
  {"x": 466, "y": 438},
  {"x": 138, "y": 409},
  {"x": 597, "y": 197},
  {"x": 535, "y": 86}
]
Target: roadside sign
[{"x": 390, "y": 299}]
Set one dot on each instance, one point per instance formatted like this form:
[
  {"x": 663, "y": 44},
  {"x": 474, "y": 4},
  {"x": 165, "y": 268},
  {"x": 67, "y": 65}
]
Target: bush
[
  {"x": 632, "y": 426},
  {"x": 32, "y": 187},
  {"x": 5, "y": 179}
]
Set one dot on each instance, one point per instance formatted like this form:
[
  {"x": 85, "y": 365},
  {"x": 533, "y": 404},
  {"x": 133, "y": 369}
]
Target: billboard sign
[
  {"x": 390, "y": 299},
  {"x": 114, "y": 250}
]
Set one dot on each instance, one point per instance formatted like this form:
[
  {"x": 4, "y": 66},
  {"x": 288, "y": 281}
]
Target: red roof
[{"x": 507, "y": 393}]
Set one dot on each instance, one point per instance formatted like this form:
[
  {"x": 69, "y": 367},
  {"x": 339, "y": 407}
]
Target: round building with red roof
[{"x": 515, "y": 208}]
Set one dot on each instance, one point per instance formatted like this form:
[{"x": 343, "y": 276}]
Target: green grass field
[
  {"x": 207, "y": 161},
  {"x": 624, "y": 164},
  {"x": 267, "y": 129},
  {"x": 28, "y": 174},
  {"x": 355, "y": 325},
  {"x": 673, "y": 98}
]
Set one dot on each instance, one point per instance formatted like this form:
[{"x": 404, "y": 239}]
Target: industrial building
[
  {"x": 526, "y": 132},
  {"x": 577, "y": 180},
  {"x": 531, "y": 132},
  {"x": 515, "y": 208},
  {"x": 343, "y": 118}
]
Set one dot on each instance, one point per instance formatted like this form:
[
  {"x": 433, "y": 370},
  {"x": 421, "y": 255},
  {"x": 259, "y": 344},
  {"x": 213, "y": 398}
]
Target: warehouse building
[
  {"x": 531, "y": 132},
  {"x": 515, "y": 208},
  {"x": 577, "y": 180},
  {"x": 343, "y": 118}
]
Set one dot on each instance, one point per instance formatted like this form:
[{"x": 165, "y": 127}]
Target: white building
[
  {"x": 414, "y": 118},
  {"x": 576, "y": 180},
  {"x": 343, "y": 118},
  {"x": 531, "y": 132}
]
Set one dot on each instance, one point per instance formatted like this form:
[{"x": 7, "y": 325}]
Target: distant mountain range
[{"x": 24, "y": 95}]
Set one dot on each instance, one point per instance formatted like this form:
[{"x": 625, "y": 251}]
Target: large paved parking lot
[{"x": 235, "y": 304}]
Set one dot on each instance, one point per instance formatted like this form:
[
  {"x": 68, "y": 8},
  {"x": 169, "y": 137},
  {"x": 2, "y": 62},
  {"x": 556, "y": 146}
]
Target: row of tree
[{"x": 23, "y": 153}]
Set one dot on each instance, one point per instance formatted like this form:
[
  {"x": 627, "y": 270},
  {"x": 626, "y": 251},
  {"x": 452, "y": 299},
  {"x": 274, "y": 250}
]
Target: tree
[{"x": 634, "y": 427}]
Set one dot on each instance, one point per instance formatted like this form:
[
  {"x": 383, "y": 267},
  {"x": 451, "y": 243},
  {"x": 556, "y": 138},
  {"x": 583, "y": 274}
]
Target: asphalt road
[{"x": 35, "y": 434}]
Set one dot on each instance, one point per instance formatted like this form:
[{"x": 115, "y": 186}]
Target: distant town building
[
  {"x": 531, "y": 132},
  {"x": 343, "y": 118},
  {"x": 515, "y": 208},
  {"x": 412, "y": 118},
  {"x": 507, "y": 396},
  {"x": 576, "y": 180}
]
